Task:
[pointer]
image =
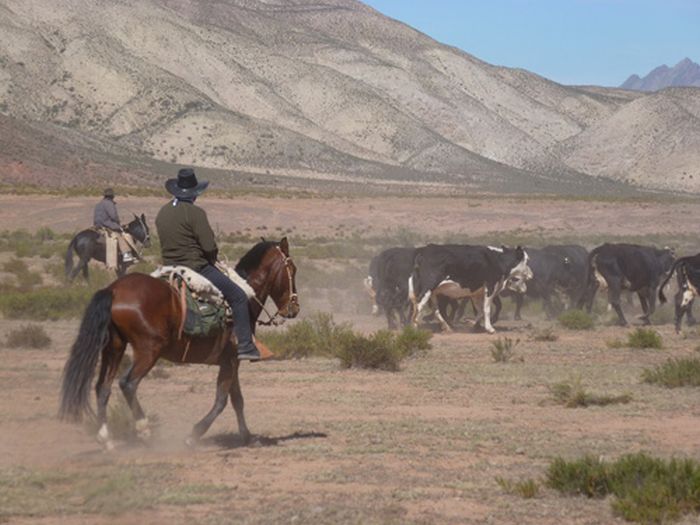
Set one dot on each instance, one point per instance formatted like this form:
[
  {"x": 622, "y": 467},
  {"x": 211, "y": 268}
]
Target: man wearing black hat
[
  {"x": 186, "y": 239},
  {"x": 107, "y": 218}
]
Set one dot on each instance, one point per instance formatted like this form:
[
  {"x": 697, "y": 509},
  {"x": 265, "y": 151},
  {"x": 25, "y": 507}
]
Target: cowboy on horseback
[
  {"x": 106, "y": 219},
  {"x": 187, "y": 239}
]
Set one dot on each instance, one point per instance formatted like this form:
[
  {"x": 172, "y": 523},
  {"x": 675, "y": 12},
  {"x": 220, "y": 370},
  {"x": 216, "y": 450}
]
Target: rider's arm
[
  {"x": 205, "y": 236},
  {"x": 112, "y": 219}
]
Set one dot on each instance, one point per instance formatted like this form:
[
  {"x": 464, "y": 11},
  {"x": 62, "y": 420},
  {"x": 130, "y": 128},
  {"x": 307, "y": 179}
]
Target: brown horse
[{"x": 145, "y": 312}]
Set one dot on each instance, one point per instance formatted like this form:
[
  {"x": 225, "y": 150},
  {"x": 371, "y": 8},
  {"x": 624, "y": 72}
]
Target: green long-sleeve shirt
[{"x": 186, "y": 238}]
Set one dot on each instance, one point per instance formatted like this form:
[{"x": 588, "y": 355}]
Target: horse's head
[
  {"x": 139, "y": 230},
  {"x": 272, "y": 273},
  {"x": 284, "y": 288}
]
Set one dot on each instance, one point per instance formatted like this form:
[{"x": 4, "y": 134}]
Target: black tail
[
  {"x": 586, "y": 296},
  {"x": 80, "y": 367},
  {"x": 69, "y": 258},
  {"x": 662, "y": 297}
]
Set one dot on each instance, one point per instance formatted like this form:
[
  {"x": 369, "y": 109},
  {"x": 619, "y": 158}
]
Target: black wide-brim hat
[{"x": 186, "y": 184}]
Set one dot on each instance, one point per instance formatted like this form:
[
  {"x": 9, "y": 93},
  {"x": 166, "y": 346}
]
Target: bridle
[{"x": 293, "y": 297}]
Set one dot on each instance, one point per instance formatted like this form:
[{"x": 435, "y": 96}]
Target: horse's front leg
[
  {"x": 237, "y": 402},
  {"x": 223, "y": 385}
]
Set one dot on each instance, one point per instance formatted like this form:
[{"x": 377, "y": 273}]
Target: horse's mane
[{"x": 253, "y": 258}]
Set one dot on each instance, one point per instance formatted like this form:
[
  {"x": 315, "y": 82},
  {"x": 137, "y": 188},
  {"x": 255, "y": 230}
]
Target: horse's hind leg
[
  {"x": 111, "y": 356},
  {"x": 237, "y": 402},
  {"x": 145, "y": 356},
  {"x": 223, "y": 385}
]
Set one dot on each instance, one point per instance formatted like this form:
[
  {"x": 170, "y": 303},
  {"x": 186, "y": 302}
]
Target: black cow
[
  {"x": 630, "y": 267},
  {"x": 387, "y": 283},
  {"x": 458, "y": 271},
  {"x": 556, "y": 268},
  {"x": 688, "y": 275}
]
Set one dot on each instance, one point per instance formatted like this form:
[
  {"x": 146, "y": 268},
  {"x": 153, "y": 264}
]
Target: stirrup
[{"x": 127, "y": 257}]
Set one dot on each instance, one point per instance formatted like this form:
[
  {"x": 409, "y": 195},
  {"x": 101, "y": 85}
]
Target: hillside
[{"x": 306, "y": 89}]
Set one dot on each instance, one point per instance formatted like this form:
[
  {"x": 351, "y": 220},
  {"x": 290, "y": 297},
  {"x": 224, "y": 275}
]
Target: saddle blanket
[{"x": 201, "y": 287}]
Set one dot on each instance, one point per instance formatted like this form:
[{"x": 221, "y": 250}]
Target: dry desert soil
[{"x": 425, "y": 444}]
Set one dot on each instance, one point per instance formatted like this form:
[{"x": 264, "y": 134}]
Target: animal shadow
[{"x": 231, "y": 440}]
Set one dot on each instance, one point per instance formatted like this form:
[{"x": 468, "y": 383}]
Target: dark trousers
[{"x": 237, "y": 300}]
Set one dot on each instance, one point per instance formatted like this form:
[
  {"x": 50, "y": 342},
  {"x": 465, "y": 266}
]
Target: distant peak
[{"x": 684, "y": 73}]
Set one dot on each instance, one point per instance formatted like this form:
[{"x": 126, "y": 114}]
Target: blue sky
[{"x": 598, "y": 42}]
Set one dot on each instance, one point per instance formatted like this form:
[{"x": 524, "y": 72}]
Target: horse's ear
[
  {"x": 284, "y": 246},
  {"x": 143, "y": 217}
]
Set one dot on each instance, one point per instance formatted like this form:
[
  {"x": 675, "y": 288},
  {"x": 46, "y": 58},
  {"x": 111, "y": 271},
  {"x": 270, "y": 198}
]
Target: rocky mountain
[
  {"x": 685, "y": 73},
  {"x": 324, "y": 90}
]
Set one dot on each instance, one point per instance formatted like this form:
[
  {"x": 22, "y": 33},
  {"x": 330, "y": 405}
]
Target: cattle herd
[{"x": 443, "y": 280}]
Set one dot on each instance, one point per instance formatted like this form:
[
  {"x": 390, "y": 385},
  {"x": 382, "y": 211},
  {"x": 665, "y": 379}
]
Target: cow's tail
[
  {"x": 662, "y": 297},
  {"x": 589, "y": 290},
  {"x": 80, "y": 367},
  {"x": 414, "y": 279},
  {"x": 69, "y": 258}
]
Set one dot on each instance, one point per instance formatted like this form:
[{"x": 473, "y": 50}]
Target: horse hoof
[
  {"x": 143, "y": 431},
  {"x": 191, "y": 442}
]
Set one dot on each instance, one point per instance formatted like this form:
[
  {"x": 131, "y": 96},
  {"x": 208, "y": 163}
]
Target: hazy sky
[{"x": 570, "y": 41}]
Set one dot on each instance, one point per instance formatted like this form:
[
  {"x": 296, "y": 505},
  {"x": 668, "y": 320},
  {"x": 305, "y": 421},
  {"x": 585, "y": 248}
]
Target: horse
[
  {"x": 146, "y": 313},
  {"x": 87, "y": 246}
]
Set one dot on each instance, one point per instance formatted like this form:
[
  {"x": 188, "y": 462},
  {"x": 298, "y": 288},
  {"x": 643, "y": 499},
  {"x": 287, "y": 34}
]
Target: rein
[{"x": 272, "y": 319}]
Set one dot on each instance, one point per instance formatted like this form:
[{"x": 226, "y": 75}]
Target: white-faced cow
[
  {"x": 688, "y": 274},
  {"x": 556, "y": 269},
  {"x": 459, "y": 271},
  {"x": 387, "y": 283},
  {"x": 618, "y": 267}
]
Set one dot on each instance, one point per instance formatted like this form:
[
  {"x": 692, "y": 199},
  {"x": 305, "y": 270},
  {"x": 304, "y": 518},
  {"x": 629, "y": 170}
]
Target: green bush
[
  {"x": 545, "y": 334},
  {"x": 28, "y": 336},
  {"x": 527, "y": 489},
  {"x": 572, "y": 394},
  {"x": 45, "y": 303},
  {"x": 647, "y": 490},
  {"x": 576, "y": 320},
  {"x": 675, "y": 373},
  {"x": 503, "y": 349},
  {"x": 19, "y": 269},
  {"x": 644, "y": 338},
  {"x": 318, "y": 335},
  {"x": 382, "y": 350},
  {"x": 321, "y": 336}
]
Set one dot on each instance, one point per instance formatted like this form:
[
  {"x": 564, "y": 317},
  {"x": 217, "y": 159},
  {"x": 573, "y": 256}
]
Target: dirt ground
[{"x": 422, "y": 445}]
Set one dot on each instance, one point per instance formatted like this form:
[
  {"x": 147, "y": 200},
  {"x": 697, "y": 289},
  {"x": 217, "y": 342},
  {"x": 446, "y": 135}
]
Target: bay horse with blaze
[{"x": 146, "y": 313}]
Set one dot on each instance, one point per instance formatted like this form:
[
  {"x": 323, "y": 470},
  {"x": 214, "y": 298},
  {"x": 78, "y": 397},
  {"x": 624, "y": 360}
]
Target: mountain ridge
[
  {"x": 330, "y": 88},
  {"x": 685, "y": 73}
]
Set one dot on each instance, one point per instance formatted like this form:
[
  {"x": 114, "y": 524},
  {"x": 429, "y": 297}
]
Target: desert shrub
[
  {"x": 615, "y": 344},
  {"x": 675, "y": 373},
  {"x": 545, "y": 334},
  {"x": 318, "y": 335},
  {"x": 503, "y": 349},
  {"x": 647, "y": 489},
  {"x": 25, "y": 278},
  {"x": 28, "y": 336},
  {"x": 576, "y": 320},
  {"x": 382, "y": 350},
  {"x": 572, "y": 394},
  {"x": 644, "y": 338},
  {"x": 159, "y": 372},
  {"x": 527, "y": 489},
  {"x": 43, "y": 304}
]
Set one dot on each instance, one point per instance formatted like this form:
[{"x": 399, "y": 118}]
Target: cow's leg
[
  {"x": 614, "y": 289},
  {"x": 689, "y": 314},
  {"x": 679, "y": 310},
  {"x": 418, "y": 308},
  {"x": 445, "y": 327},
  {"x": 497, "y": 307},
  {"x": 488, "y": 299},
  {"x": 644, "y": 302},
  {"x": 519, "y": 299}
]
